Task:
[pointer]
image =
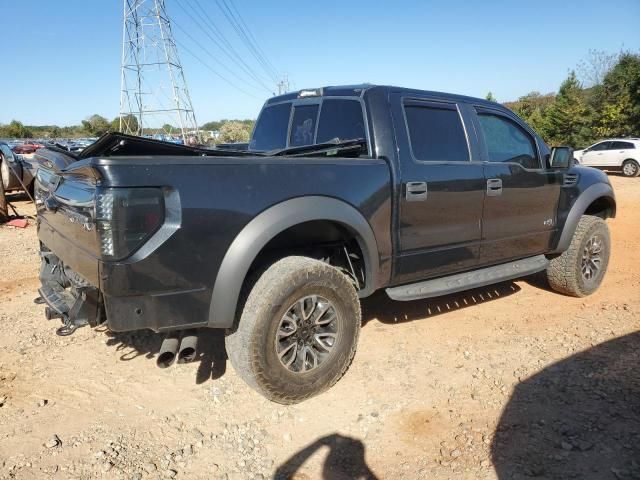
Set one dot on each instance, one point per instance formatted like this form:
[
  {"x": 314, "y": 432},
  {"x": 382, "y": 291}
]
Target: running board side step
[{"x": 468, "y": 280}]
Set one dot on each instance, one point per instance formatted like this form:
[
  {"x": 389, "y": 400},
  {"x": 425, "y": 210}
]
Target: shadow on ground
[
  {"x": 345, "y": 460},
  {"x": 578, "y": 418},
  {"x": 380, "y": 307},
  {"x": 211, "y": 356}
]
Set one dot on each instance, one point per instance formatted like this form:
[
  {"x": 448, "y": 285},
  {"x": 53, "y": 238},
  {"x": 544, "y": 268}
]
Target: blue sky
[{"x": 63, "y": 57}]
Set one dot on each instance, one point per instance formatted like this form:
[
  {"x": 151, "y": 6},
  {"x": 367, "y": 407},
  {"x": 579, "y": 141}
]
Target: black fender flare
[
  {"x": 258, "y": 232},
  {"x": 586, "y": 198}
]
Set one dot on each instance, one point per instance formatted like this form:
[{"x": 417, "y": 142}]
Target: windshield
[{"x": 330, "y": 119}]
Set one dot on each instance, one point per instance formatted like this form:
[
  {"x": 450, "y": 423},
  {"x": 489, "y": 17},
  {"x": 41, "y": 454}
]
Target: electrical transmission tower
[{"x": 154, "y": 94}]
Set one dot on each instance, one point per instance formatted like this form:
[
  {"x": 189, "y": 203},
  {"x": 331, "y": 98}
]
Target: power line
[
  {"x": 247, "y": 69},
  {"x": 215, "y": 72},
  {"x": 218, "y": 33},
  {"x": 245, "y": 38},
  {"x": 255, "y": 42},
  {"x": 215, "y": 59}
]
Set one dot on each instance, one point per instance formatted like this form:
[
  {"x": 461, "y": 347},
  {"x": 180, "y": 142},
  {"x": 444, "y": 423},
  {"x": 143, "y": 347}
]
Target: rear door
[
  {"x": 440, "y": 206},
  {"x": 519, "y": 217},
  {"x": 619, "y": 152}
]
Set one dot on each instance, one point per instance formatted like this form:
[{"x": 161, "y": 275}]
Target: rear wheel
[
  {"x": 630, "y": 168},
  {"x": 9, "y": 178},
  {"x": 298, "y": 330},
  {"x": 579, "y": 270}
]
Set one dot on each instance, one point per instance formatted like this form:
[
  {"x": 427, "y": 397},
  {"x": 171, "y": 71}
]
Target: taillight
[{"x": 125, "y": 218}]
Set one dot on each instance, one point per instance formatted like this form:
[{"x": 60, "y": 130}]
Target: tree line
[
  {"x": 599, "y": 99},
  {"x": 96, "y": 125}
]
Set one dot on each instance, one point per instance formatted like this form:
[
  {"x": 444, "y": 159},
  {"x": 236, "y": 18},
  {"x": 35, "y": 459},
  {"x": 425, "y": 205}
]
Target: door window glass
[
  {"x": 622, "y": 145},
  {"x": 600, "y": 146},
  {"x": 436, "y": 134},
  {"x": 507, "y": 142}
]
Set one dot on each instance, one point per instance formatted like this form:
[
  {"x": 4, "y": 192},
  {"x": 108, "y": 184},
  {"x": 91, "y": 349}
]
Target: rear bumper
[{"x": 81, "y": 290}]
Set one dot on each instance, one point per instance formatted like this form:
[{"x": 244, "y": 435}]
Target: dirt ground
[{"x": 511, "y": 381}]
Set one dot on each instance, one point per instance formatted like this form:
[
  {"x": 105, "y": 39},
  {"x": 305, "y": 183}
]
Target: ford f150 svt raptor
[{"x": 341, "y": 192}]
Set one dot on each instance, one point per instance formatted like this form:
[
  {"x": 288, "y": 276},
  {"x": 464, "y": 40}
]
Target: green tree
[
  {"x": 96, "y": 125},
  {"x": 617, "y": 99},
  {"x": 489, "y": 96},
  {"x": 55, "y": 132},
  {"x": 532, "y": 108},
  {"x": 213, "y": 126},
  {"x": 232, "y": 132},
  {"x": 17, "y": 130},
  {"x": 568, "y": 119},
  {"x": 129, "y": 124}
]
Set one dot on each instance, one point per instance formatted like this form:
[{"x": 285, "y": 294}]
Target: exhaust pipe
[
  {"x": 188, "y": 347},
  {"x": 168, "y": 350}
]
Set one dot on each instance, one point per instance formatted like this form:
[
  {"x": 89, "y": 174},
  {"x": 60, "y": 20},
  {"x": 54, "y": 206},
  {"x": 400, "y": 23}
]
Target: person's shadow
[
  {"x": 345, "y": 460},
  {"x": 578, "y": 418}
]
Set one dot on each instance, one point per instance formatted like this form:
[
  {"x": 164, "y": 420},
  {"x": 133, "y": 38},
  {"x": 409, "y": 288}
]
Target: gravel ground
[{"x": 510, "y": 381}]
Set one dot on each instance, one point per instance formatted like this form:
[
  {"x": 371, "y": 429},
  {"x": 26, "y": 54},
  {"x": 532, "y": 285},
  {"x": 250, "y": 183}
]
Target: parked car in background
[
  {"x": 617, "y": 154},
  {"x": 27, "y": 147},
  {"x": 16, "y": 169}
]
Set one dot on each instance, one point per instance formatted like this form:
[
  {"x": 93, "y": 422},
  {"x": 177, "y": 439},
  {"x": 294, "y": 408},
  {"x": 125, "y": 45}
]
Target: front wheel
[
  {"x": 579, "y": 271},
  {"x": 630, "y": 168},
  {"x": 298, "y": 330}
]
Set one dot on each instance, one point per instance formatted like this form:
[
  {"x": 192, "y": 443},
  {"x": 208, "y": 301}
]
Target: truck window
[
  {"x": 341, "y": 119},
  {"x": 271, "y": 128},
  {"x": 507, "y": 142},
  {"x": 436, "y": 133},
  {"x": 303, "y": 127}
]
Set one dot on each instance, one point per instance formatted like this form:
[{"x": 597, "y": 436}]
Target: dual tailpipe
[{"x": 176, "y": 345}]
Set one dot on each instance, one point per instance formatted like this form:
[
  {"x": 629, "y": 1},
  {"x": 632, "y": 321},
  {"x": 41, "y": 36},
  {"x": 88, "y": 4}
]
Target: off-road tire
[
  {"x": 251, "y": 345},
  {"x": 630, "y": 168},
  {"x": 564, "y": 272}
]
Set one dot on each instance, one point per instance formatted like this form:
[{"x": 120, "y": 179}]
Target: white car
[{"x": 622, "y": 154}]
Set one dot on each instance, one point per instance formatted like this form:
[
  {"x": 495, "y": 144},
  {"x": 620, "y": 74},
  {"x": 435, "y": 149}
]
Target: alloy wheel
[
  {"x": 307, "y": 333},
  {"x": 592, "y": 257}
]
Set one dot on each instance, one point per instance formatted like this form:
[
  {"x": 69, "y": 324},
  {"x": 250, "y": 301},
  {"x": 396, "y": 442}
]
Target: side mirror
[{"x": 561, "y": 157}]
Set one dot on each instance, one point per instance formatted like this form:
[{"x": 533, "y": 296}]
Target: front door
[
  {"x": 520, "y": 208},
  {"x": 597, "y": 155},
  {"x": 440, "y": 205}
]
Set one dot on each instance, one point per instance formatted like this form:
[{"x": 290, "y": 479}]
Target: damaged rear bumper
[{"x": 68, "y": 296}]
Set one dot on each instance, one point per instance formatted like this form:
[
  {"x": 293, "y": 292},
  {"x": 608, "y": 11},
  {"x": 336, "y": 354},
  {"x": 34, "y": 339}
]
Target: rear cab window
[
  {"x": 328, "y": 119},
  {"x": 270, "y": 132},
  {"x": 303, "y": 126},
  {"x": 341, "y": 120}
]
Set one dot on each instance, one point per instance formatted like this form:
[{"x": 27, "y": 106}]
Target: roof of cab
[{"x": 361, "y": 89}]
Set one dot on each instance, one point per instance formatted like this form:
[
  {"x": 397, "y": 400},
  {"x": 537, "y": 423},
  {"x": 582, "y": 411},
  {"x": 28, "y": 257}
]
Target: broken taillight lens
[{"x": 126, "y": 218}]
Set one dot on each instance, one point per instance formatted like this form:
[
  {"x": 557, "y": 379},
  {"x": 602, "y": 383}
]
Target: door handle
[
  {"x": 416, "y": 191},
  {"x": 494, "y": 187}
]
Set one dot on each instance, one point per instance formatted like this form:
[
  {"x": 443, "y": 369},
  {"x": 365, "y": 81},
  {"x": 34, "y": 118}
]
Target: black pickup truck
[{"x": 343, "y": 191}]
